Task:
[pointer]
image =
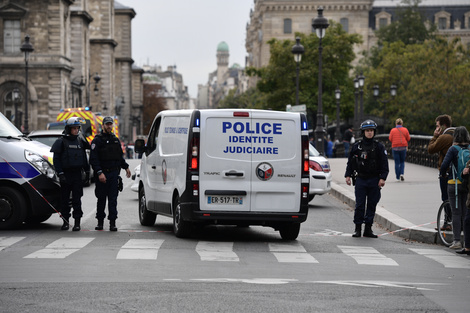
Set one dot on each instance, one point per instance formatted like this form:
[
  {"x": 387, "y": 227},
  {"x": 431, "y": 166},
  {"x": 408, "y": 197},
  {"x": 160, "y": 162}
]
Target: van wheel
[
  {"x": 181, "y": 228},
  {"x": 12, "y": 208},
  {"x": 290, "y": 231},
  {"x": 146, "y": 217},
  {"x": 36, "y": 219}
]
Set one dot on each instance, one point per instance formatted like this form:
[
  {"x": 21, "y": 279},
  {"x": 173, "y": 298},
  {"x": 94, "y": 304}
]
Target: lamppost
[
  {"x": 393, "y": 93},
  {"x": 338, "y": 97},
  {"x": 297, "y": 51},
  {"x": 16, "y": 97},
  {"x": 26, "y": 48},
  {"x": 320, "y": 24},
  {"x": 97, "y": 79},
  {"x": 361, "y": 79}
]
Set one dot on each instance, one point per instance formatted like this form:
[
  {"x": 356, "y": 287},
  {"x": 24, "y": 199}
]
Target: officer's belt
[{"x": 112, "y": 169}]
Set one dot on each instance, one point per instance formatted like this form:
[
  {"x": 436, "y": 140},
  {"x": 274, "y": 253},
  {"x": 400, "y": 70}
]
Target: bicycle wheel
[{"x": 444, "y": 224}]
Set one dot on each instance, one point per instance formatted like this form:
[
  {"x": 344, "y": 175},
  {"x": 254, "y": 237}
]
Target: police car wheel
[
  {"x": 146, "y": 217},
  {"x": 12, "y": 208},
  {"x": 290, "y": 231},
  {"x": 36, "y": 219},
  {"x": 181, "y": 228}
]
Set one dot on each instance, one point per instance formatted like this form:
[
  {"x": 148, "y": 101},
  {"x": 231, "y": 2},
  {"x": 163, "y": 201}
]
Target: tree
[{"x": 277, "y": 79}]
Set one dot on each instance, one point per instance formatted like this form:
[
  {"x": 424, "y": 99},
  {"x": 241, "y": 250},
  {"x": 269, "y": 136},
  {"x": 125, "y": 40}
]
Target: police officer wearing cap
[
  {"x": 70, "y": 162},
  {"x": 367, "y": 168},
  {"x": 107, "y": 159}
]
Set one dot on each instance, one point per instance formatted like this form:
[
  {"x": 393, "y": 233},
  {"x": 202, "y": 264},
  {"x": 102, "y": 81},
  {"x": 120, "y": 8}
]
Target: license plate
[{"x": 224, "y": 200}]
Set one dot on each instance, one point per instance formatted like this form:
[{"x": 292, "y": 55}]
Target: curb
[{"x": 390, "y": 221}]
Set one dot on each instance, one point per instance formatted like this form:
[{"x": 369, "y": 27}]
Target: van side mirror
[{"x": 139, "y": 146}]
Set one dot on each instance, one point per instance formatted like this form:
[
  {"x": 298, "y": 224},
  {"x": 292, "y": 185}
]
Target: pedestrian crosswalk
[{"x": 214, "y": 251}]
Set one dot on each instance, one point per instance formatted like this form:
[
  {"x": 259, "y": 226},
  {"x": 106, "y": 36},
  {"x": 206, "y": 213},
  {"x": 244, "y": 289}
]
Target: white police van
[
  {"x": 228, "y": 167},
  {"x": 27, "y": 179}
]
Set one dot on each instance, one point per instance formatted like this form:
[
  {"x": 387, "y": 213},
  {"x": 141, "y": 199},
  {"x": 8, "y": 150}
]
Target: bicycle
[{"x": 444, "y": 223}]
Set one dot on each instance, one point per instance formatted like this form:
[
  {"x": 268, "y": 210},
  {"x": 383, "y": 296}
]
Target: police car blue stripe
[{"x": 25, "y": 169}]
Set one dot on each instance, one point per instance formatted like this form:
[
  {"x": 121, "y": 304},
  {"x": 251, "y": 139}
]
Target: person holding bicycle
[
  {"x": 441, "y": 142},
  {"x": 456, "y": 190}
]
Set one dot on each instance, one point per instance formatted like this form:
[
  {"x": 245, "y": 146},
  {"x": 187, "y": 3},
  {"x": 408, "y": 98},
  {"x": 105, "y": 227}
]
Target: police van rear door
[{"x": 250, "y": 161}]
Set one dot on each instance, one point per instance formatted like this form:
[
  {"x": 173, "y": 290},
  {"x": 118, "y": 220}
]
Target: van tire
[
  {"x": 146, "y": 217},
  {"x": 290, "y": 231},
  {"x": 181, "y": 228},
  {"x": 13, "y": 209}
]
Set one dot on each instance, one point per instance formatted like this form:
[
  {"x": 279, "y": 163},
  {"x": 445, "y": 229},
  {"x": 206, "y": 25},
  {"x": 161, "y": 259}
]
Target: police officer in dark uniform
[
  {"x": 70, "y": 162},
  {"x": 368, "y": 168},
  {"x": 107, "y": 159}
]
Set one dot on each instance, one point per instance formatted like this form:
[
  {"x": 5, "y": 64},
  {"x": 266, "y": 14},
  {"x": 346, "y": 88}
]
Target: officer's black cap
[{"x": 108, "y": 119}]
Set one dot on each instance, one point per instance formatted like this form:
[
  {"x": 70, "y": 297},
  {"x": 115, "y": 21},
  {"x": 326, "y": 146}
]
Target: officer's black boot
[
  {"x": 357, "y": 232},
  {"x": 112, "y": 225},
  {"x": 76, "y": 227},
  {"x": 100, "y": 225},
  {"x": 66, "y": 225},
  {"x": 368, "y": 231}
]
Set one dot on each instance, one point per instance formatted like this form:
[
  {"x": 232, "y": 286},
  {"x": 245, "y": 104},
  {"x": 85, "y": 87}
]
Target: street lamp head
[
  {"x": 320, "y": 23},
  {"x": 26, "y": 48},
  {"x": 16, "y": 94},
  {"x": 393, "y": 90},
  {"x": 97, "y": 78},
  {"x": 298, "y": 50},
  {"x": 376, "y": 90},
  {"x": 356, "y": 83},
  {"x": 361, "y": 80},
  {"x": 337, "y": 93}
]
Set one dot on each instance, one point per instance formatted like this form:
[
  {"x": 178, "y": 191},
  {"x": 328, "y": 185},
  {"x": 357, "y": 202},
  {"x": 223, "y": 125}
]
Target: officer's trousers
[
  {"x": 107, "y": 191},
  {"x": 73, "y": 185},
  {"x": 367, "y": 193}
]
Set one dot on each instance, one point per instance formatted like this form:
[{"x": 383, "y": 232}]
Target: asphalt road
[{"x": 225, "y": 269}]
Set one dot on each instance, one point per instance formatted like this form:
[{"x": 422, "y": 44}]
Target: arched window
[{"x": 287, "y": 26}]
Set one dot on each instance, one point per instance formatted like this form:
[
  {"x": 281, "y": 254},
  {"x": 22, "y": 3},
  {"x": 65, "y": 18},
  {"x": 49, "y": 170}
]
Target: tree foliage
[{"x": 276, "y": 86}]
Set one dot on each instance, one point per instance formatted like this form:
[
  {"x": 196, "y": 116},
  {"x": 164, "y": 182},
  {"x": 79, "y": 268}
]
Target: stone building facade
[
  {"x": 282, "y": 18},
  {"x": 82, "y": 57}
]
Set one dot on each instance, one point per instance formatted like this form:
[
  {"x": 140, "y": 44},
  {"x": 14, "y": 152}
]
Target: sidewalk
[{"x": 407, "y": 208}]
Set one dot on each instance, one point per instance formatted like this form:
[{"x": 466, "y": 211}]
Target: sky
[{"x": 186, "y": 33}]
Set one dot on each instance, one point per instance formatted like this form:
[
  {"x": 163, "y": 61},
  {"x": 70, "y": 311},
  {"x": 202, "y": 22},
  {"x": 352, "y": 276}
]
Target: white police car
[{"x": 320, "y": 174}]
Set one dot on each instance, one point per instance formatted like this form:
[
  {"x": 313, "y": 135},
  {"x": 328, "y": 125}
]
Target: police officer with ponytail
[
  {"x": 71, "y": 165},
  {"x": 368, "y": 168},
  {"x": 107, "y": 159}
]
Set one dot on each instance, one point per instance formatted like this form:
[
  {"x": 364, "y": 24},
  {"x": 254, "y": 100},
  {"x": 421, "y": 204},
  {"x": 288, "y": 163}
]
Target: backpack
[{"x": 462, "y": 159}]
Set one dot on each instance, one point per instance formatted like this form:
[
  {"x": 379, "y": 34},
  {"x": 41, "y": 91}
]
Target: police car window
[{"x": 7, "y": 128}]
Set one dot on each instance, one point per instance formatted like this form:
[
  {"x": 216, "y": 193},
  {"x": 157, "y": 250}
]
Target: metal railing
[{"x": 417, "y": 150}]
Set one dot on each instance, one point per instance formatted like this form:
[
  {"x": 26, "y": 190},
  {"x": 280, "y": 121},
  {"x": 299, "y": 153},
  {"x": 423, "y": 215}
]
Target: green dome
[{"x": 222, "y": 46}]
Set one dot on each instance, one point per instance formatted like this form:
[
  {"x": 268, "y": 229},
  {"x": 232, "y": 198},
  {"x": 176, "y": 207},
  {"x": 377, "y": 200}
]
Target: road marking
[
  {"x": 291, "y": 253},
  {"x": 9, "y": 241},
  {"x": 60, "y": 249},
  {"x": 378, "y": 284},
  {"x": 140, "y": 249},
  {"x": 260, "y": 281},
  {"x": 367, "y": 256},
  {"x": 446, "y": 258},
  {"x": 216, "y": 251}
]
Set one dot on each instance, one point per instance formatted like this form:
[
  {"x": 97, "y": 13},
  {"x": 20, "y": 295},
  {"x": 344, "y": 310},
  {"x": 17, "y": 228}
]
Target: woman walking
[{"x": 399, "y": 136}]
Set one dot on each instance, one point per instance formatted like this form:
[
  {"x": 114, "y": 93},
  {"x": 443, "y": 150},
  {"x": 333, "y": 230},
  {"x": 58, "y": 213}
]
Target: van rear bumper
[{"x": 247, "y": 218}]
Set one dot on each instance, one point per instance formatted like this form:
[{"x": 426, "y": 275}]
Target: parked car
[
  {"x": 320, "y": 174},
  {"x": 48, "y": 137},
  {"x": 136, "y": 179}
]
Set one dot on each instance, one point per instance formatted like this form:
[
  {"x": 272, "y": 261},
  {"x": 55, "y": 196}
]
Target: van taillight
[
  {"x": 195, "y": 189},
  {"x": 194, "y": 154}
]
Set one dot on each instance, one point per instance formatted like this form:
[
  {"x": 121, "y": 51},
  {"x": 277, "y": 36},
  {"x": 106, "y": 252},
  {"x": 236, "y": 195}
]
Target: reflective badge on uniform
[
  {"x": 264, "y": 171},
  {"x": 385, "y": 151},
  {"x": 92, "y": 146}
]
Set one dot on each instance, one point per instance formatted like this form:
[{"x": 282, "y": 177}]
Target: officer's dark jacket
[
  {"x": 368, "y": 158},
  {"x": 70, "y": 153},
  {"x": 106, "y": 153}
]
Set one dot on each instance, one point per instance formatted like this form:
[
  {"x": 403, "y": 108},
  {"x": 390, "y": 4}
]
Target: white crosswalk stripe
[
  {"x": 60, "y": 248},
  {"x": 9, "y": 241},
  {"x": 216, "y": 251},
  {"x": 446, "y": 258},
  {"x": 140, "y": 249},
  {"x": 291, "y": 253},
  {"x": 367, "y": 256}
]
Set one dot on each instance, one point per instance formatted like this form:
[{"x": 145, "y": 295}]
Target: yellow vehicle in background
[{"x": 92, "y": 126}]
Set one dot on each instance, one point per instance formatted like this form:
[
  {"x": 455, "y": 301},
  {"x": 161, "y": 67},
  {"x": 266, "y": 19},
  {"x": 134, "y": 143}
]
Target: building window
[
  {"x": 345, "y": 23},
  {"x": 12, "y": 36},
  {"x": 287, "y": 26},
  {"x": 382, "y": 22},
  {"x": 442, "y": 23}
]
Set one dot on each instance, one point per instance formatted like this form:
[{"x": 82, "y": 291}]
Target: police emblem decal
[{"x": 264, "y": 171}]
